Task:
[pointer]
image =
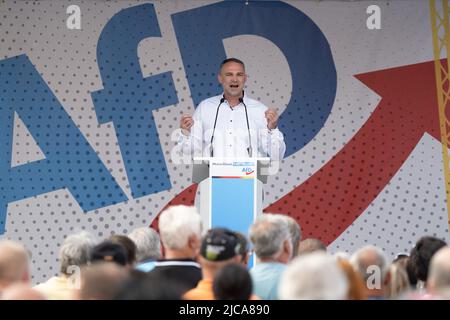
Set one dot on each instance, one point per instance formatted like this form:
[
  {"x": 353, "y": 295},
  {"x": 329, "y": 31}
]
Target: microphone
[
  {"x": 249, "y": 149},
  {"x": 211, "y": 151}
]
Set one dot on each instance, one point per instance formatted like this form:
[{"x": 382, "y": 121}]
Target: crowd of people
[{"x": 183, "y": 261}]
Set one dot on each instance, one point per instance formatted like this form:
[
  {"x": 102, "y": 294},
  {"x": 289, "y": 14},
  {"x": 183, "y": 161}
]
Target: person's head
[
  {"x": 107, "y": 251},
  {"x": 271, "y": 238},
  {"x": 232, "y": 77},
  {"x": 401, "y": 258},
  {"x": 233, "y": 282},
  {"x": 310, "y": 245},
  {"x": 75, "y": 251},
  {"x": 421, "y": 254},
  {"x": 14, "y": 264},
  {"x": 439, "y": 275},
  {"x": 101, "y": 281},
  {"x": 398, "y": 283},
  {"x": 155, "y": 285},
  {"x": 128, "y": 245},
  {"x": 243, "y": 248},
  {"x": 371, "y": 264},
  {"x": 315, "y": 276},
  {"x": 219, "y": 248},
  {"x": 295, "y": 231},
  {"x": 148, "y": 245},
  {"x": 180, "y": 228},
  {"x": 356, "y": 289}
]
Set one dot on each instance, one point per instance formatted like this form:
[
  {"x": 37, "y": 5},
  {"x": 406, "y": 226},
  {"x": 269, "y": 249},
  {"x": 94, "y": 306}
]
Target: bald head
[
  {"x": 13, "y": 263},
  {"x": 439, "y": 277},
  {"x": 367, "y": 257}
]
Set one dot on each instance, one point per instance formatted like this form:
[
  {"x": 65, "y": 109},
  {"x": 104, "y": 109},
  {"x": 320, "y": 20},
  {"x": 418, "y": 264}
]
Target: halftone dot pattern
[
  {"x": 267, "y": 81},
  {"x": 399, "y": 217},
  {"x": 358, "y": 53},
  {"x": 67, "y": 62},
  {"x": 266, "y": 69},
  {"x": 25, "y": 149},
  {"x": 331, "y": 199},
  {"x": 66, "y": 59},
  {"x": 187, "y": 198},
  {"x": 41, "y": 224},
  {"x": 70, "y": 161},
  {"x": 308, "y": 108},
  {"x": 158, "y": 55},
  {"x": 128, "y": 99}
]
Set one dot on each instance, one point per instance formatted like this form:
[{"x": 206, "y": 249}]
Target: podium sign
[
  {"x": 233, "y": 193},
  {"x": 230, "y": 191}
]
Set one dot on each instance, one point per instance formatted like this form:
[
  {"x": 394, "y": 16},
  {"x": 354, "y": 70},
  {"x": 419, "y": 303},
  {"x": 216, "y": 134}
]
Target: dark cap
[
  {"x": 109, "y": 252},
  {"x": 219, "y": 244}
]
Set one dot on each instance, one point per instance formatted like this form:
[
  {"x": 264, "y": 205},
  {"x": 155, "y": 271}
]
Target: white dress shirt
[{"x": 231, "y": 135}]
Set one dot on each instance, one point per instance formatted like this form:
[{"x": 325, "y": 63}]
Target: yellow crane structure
[{"x": 439, "y": 14}]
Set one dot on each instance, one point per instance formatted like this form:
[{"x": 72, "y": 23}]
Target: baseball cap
[{"x": 220, "y": 244}]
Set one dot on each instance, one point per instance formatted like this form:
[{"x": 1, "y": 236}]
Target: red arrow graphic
[
  {"x": 186, "y": 197},
  {"x": 331, "y": 199}
]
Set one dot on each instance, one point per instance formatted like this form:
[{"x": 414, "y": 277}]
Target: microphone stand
[
  {"x": 211, "y": 151},
  {"x": 249, "y": 149}
]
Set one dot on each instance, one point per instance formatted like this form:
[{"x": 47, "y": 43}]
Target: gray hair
[
  {"x": 268, "y": 234},
  {"x": 439, "y": 276},
  {"x": 369, "y": 256},
  {"x": 315, "y": 276},
  {"x": 296, "y": 232},
  {"x": 148, "y": 245},
  {"x": 177, "y": 224},
  {"x": 76, "y": 250}
]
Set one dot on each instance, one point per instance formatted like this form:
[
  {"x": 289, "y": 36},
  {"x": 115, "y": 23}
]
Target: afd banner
[{"x": 92, "y": 92}]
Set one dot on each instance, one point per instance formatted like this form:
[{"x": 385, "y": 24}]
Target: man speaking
[{"x": 231, "y": 124}]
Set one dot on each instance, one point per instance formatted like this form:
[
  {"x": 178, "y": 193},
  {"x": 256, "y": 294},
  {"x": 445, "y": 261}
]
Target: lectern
[{"x": 230, "y": 190}]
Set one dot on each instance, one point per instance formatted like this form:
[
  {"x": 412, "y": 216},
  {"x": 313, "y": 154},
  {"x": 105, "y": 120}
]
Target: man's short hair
[
  {"x": 177, "y": 224},
  {"x": 147, "y": 243},
  {"x": 224, "y": 62},
  {"x": 268, "y": 234},
  {"x": 295, "y": 231}
]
